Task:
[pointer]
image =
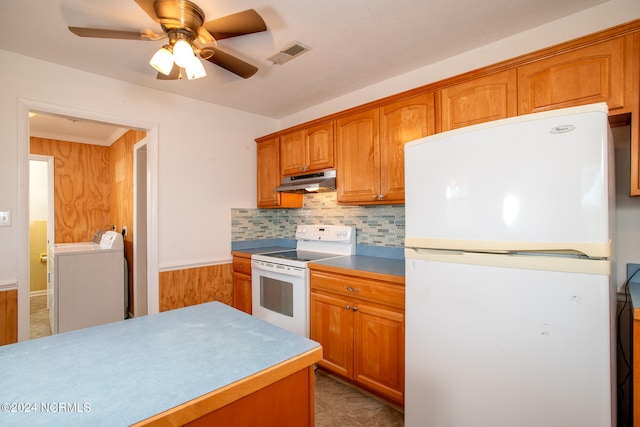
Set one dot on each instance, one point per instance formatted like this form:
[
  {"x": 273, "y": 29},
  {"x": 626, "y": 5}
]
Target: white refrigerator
[{"x": 510, "y": 316}]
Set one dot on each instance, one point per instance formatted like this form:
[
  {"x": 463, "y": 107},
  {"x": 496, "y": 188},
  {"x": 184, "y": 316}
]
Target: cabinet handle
[
  {"x": 301, "y": 168},
  {"x": 355, "y": 309},
  {"x": 381, "y": 197},
  {"x": 350, "y": 289},
  {"x": 348, "y": 307},
  {"x": 375, "y": 196}
]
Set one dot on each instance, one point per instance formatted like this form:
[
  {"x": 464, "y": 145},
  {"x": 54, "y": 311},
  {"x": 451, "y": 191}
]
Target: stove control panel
[{"x": 326, "y": 233}]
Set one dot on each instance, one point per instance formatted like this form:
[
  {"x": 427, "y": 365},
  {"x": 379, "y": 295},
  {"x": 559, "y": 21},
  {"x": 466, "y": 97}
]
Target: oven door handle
[{"x": 277, "y": 268}]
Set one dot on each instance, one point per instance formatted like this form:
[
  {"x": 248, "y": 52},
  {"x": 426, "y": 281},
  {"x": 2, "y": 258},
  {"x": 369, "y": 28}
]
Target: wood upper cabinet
[
  {"x": 370, "y": 149},
  {"x": 480, "y": 100},
  {"x": 596, "y": 73},
  {"x": 358, "y": 157},
  {"x": 269, "y": 178},
  {"x": 360, "y": 324},
  {"x": 401, "y": 122},
  {"x": 632, "y": 98},
  {"x": 307, "y": 150}
]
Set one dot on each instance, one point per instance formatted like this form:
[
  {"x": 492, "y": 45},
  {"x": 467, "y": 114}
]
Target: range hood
[{"x": 312, "y": 182}]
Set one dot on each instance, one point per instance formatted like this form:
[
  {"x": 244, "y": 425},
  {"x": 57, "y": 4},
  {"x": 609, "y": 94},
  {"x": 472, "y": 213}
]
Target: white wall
[
  {"x": 201, "y": 148},
  {"x": 627, "y": 237},
  {"x": 38, "y": 179},
  {"x": 606, "y": 15}
]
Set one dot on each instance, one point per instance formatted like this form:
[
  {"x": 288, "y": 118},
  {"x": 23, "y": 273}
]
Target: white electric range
[{"x": 280, "y": 280}]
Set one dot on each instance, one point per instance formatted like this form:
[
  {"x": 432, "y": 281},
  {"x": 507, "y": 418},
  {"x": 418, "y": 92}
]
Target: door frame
[{"x": 22, "y": 217}]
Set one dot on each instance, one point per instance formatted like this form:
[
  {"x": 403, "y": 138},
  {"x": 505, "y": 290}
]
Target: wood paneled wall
[
  {"x": 9, "y": 317},
  {"x": 93, "y": 189},
  {"x": 191, "y": 286},
  {"x": 82, "y": 181},
  {"x": 121, "y": 202}
]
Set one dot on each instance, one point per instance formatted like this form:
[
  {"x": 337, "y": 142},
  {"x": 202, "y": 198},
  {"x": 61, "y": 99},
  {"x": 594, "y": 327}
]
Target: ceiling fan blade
[
  {"x": 147, "y": 6},
  {"x": 115, "y": 34},
  {"x": 231, "y": 63},
  {"x": 173, "y": 75},
  {"x": 238, "y": 24}
]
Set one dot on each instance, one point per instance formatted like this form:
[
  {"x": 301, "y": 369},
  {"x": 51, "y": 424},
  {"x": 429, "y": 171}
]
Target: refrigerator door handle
[{"x": 529, "y": 262}]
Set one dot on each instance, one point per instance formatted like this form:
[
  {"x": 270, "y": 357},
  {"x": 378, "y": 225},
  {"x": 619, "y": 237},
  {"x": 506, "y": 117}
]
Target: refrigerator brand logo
[{"x": 562, "y": 129}]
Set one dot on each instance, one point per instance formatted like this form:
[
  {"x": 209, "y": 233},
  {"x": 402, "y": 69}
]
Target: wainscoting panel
[{"x": 191, "y": 286}]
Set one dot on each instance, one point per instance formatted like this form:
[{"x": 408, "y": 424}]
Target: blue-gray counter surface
[{"x": 124, "y": 372}]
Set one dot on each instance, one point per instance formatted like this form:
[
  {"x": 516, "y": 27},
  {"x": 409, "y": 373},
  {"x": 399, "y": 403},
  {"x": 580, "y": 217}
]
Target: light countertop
[
  {"x": 123, "y": 372},
  {"x": 365, "y": 264}
]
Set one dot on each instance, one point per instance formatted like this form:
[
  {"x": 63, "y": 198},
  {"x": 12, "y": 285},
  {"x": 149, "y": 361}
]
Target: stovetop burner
[{"x": 301, "y": 255}]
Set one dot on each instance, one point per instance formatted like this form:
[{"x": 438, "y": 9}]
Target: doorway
[
  {"x": 41, "y": 233},
  {"x": 150, "y": 198}
]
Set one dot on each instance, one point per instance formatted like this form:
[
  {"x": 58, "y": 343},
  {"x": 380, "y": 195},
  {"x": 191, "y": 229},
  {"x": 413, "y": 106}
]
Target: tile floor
[
  {"x": 341, "y": 405},
  {"x": 39, "y": 317}
]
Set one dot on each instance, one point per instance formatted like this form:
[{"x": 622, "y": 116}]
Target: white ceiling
[{"x": 354, "y": 43}]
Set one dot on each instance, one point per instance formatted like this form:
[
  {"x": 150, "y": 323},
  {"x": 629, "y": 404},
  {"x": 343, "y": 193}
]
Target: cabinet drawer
[
  {"x": 365, "y": 289},
  {"x": 242, "y": 265}
]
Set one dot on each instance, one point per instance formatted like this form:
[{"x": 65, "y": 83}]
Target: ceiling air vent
[{"x": 288, "y": 53}]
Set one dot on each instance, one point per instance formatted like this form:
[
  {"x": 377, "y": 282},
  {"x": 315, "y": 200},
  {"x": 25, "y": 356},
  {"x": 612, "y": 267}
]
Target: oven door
[{"x": 279, "y": 295}]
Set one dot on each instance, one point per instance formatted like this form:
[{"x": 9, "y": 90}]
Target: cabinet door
[
  {"x": 8, "y": 317},
  {"x": 480, "y": 100},
  {"x": 358, "y": 157},
  {"x": 331, "y": 324},
  {"x": 292, "y": 153},
  {"x": 242, "y": 292},
  {"x": 268, "y": 173},
  {"x": 400, "y": 123},
  {"x": 319, "y": 147},
  {"x": 584, "y": 76},
  {"x": 379, "y": 350},
  {"x": 269, "y": 178}
]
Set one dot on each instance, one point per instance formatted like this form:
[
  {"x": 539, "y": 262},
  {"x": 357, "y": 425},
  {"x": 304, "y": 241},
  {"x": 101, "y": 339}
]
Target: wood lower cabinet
[
  {"x": 8, "y": 317},
  {"x": 307, "y": 150},
  {"x": 269, "y": 178},
  {"x": 242, "y": 283},
  {"x": 480, "y": 100},
  {"x": 360, "y": 324}
]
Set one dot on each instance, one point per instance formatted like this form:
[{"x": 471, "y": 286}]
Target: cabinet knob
[
  {"x": 375, "y": 196},
  {"x": 355, "y": 309},
  {"x": 350, "y": 289},
  {"x": 381, "y": 197},
  {"x": 348, "y": 307}
]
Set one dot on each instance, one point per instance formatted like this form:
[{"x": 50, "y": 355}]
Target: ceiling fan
[{"x": 189, "y": 37}]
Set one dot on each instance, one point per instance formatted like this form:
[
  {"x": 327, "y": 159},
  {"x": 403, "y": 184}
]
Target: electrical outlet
[{"x": 5, "y": 219}]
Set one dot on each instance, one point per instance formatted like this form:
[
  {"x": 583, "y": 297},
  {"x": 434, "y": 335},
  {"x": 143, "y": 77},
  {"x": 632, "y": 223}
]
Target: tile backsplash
[{"x": 375, "y": 225}]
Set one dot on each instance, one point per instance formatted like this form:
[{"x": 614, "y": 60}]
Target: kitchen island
[{"x": 207, "y": 364}]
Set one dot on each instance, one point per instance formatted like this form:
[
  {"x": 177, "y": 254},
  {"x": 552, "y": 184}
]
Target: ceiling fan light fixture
[
  {"x": 183, "y": 53},
  {"x": 162, "y": 60},
  {"x": 195, "y": 69}
]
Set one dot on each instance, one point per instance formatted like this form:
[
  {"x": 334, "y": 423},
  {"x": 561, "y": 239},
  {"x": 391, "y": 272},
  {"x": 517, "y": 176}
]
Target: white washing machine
[{"x": 86, "y": 282}]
